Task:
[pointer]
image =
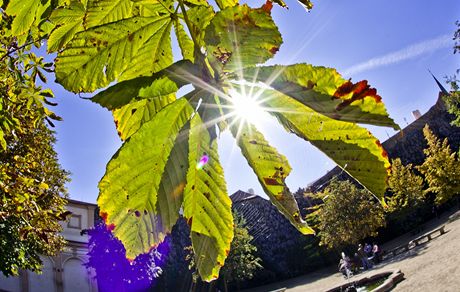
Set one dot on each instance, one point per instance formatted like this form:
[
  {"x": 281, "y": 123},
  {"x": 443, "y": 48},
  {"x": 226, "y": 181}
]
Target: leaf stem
[
  {"x": 189, "y": 24},
  {"x": 166, "y": 7},
  {"x": 19, "y": 48},
  {"x": 199, "y": 57}
]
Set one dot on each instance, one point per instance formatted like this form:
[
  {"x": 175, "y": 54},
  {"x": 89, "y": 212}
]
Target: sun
[{"x": 247, "y": 106}]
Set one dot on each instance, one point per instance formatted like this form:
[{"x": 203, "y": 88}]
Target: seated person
[
  {"x": 345, "y": 267},
  {"x": 368, "y": 249},
  {"x": 355, "y": 263},
  {"x": 376, "y": 253}
]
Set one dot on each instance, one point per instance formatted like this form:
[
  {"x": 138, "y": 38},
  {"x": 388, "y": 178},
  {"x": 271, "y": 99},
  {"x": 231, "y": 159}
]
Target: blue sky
[{"x": 390, "y": 43}]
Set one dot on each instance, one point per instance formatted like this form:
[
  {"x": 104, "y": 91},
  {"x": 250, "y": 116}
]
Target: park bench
[
  {"x": 427, "y": 236},
  {"x": 413, "y": 243}
]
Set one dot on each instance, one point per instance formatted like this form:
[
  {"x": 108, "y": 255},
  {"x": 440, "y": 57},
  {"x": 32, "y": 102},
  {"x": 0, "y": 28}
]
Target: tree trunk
[{"x": 225, "y": 284}]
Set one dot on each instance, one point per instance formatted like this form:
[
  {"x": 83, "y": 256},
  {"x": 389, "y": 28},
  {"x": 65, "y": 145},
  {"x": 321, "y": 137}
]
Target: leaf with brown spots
[
  {"x": 271, "y": 169},
  {"x": 252, "y": 37},
  {"x": 267, "y": 7},
  {"x": 106, "y": 11},
  {"x": 326, "y": 92},
  {"x": 352, "y": 147},
  {"x": 154, "y": 180},
  {"x": 358, "y": 91},
  {"x": 68, "y": 21},
  {"x": 131, "y": 117},
  {"x": 110, "y": 55},
  {"x": 207, "y": 205}
]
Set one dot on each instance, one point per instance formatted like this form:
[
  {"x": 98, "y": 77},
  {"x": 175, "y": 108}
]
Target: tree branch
[{"x": 21, "y": 47}]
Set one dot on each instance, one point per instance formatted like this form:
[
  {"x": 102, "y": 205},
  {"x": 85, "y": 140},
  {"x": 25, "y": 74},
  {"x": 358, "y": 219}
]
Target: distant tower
[
  {"x": 443, "y": 90},
  {"x": 251, "y": 191},
  {"x": 416, "y": 114}
]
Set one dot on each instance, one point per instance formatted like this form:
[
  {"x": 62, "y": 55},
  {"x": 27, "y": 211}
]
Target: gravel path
[{"x": 434, "y": 266}]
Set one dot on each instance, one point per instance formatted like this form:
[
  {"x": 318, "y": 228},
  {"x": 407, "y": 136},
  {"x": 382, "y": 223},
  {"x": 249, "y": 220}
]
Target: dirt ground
[{"x": 433, "y": 267}]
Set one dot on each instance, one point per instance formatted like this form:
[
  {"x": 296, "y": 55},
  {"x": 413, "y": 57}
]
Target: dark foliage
[
  {"x": 176, "y": 276},
  {"x": 107, "y": 256},
  {"x": 284, "y": 251}
]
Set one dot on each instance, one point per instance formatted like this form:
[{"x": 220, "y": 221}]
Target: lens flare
[
  {"x": 247, "y": 107},
  {"x": 203, "y": 161}
]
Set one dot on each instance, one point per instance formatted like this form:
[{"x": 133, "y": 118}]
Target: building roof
[
  {"x": 81, "y": 203},
  {"x": 240, "y": 196}
]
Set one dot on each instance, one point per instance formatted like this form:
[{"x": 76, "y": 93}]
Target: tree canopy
[
  {"x": 406, "y": 187},
  {"x": 452, "y": 99},
  {"x": 32, "y": 192},
  {"x": 242, "y": 261},
  {"x": 441, "y": 168},
  {"x": 348, "y": 215}
]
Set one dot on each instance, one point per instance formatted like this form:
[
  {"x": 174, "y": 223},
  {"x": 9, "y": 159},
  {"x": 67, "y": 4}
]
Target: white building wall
[
  {"x": 45, "y": 281},
  {"x": 66, "y": 271},
  {"x": 76, "y": 277},
  {"x": 10, "y": 283}
]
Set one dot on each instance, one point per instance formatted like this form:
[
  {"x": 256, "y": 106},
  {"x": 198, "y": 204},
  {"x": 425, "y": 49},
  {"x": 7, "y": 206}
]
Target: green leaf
[
  {"x": 241, "y": 36},
  {"x": 149, "y": 8},
  {"x": 226, "y": 3},
  {"x": 185, "y": 43},
  {"x": 129, "y": 118},
  {"x": 352, "y": 147},
  {"x": 122, "y": 50},
  {"x": 196, "y": 2},
  {"x": 64, "y": 15},
  {"x": 171, "y": 190},
  {"x": 207, "y": 206},
  {"x": 200, "y": 17},
  {"x": 2, "y": 140},
  {"x": 306, "y": 4},
  {"x": 106, "y": 11},
  {"x": 24, "y": 12},
  {"x": 280, "y": 3},
  {"x": 62, "y": 35},
  {"x": 70, "y": 21},
  {"x": 158, "y": 85},
  {"x": 271, "y": 169},
  {"x": 325, "y": 91},
  {"x": 130, "y": 189}
]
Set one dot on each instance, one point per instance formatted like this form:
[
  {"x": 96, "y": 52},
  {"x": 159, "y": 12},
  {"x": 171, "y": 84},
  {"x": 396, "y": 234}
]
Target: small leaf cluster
[
  {"x": 20, "y": 95},
  {"x": 452, "y": 100},
  {"x": 241, "y": 262}
]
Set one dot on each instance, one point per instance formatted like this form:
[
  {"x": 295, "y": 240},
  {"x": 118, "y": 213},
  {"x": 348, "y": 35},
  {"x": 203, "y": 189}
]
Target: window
[{"x": 74, "y": 222}]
